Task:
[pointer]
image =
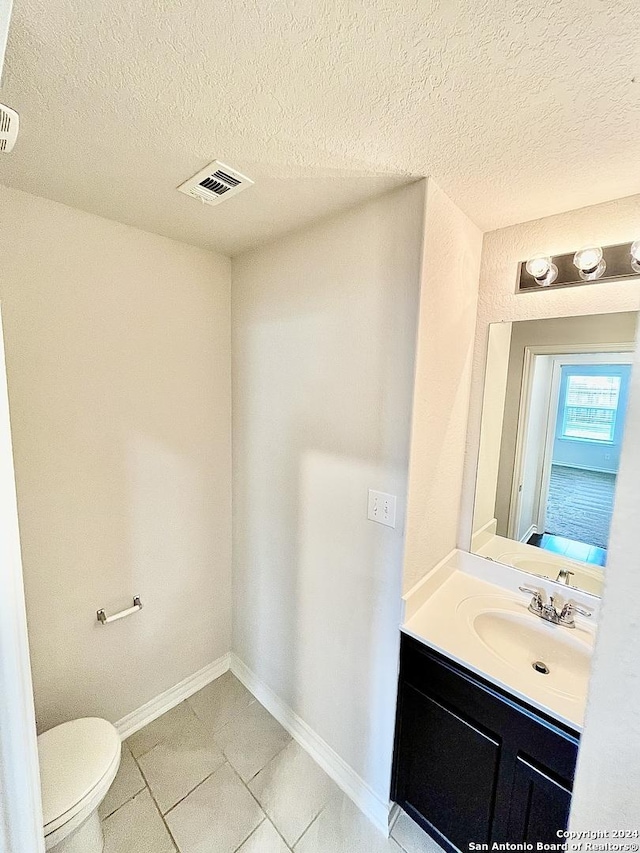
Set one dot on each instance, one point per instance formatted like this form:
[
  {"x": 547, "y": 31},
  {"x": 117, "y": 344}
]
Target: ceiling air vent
[
  {"x": 9, "y": 123},
  {"x": 216, "y": 183}
]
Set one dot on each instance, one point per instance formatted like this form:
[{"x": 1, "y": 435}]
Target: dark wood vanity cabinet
[{"x": 472, "y": 763}]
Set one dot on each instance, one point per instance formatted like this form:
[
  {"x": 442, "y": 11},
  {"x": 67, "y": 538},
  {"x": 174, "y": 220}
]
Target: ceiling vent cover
[
  {"x": 9, "y": 123},
  {"x": 215, "y": 183}
]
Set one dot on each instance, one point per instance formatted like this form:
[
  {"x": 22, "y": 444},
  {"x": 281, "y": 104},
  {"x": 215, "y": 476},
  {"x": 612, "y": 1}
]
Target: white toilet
[{"x": 78, "y": 763}]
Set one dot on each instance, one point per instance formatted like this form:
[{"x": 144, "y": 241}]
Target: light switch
[{"x": 382, "y": 508}]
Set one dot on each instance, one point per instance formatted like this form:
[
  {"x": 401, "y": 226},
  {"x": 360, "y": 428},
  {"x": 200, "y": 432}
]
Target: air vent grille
[
  {"x": 216, "y": 183},
  {"x": 229, "y": 179},
  {"x": 9, "y": 124},
  {"x": 215, "y": 186}
]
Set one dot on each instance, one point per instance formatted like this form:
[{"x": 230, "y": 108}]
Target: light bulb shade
[
  {"x": 543, "y": 270},
  {"x": 587, "y": 260},
  {"x": 539, "y": 267}
]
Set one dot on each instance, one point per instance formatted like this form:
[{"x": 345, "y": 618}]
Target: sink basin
[
  {"x": 518, "y": 639},
  {"x": 524, "y": 640}
]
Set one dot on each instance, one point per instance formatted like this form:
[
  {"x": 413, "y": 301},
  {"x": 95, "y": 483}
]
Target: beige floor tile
[
  {"x": 181, "y": 761},
  {"x": 217, "y": 817},
  {"x": 156, "y": 731},
  {"x": 264, "y": 840},
  {"x": 137, "y": 828},
  {"x": 342, "y": 828},
  {"x": 218, "y": 702},
  {"x": 411, "y": 838},
  {"x": 252, "y": 739},
  {"x": 126, "y": 785},
  {"x": 292, "y": 790}
]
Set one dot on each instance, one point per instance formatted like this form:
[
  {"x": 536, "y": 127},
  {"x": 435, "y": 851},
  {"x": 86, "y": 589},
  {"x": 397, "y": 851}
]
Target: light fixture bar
[{"x": 618, "y": 262}]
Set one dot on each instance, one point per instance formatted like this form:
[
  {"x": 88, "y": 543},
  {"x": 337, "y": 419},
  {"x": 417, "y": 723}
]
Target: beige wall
[
  {"x": 450, "y": 269},
  {"x": 597, "y": 329},
  {"x": 324, "y": 327},
  {"x": 608, "y": 773},
  {"x": 118, "y": 357},
  {"x": 603, "y": 224}
]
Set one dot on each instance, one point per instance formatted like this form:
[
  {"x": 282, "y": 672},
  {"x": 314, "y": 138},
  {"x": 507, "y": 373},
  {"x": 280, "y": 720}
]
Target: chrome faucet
[
  {"x": 548, "y": 611},
  {"x": 563, "y": 576}
]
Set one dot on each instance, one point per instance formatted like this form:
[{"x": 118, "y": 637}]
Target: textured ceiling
[{"x": 518, "y": 108}]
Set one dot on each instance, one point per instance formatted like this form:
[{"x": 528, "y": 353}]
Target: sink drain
[{"x": 540, "y": 666}]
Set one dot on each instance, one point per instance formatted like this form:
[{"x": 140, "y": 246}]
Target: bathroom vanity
[
  {"x": 497, "y": 638},
  {"x": 472, "y": 762},
  {"x": 490, "y": 705}
]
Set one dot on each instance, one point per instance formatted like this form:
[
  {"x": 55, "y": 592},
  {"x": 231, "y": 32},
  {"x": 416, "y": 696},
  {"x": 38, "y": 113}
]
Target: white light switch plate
[{"x": 382, "y": 508}]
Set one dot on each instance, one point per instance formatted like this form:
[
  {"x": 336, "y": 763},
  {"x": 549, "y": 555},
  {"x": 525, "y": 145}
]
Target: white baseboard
[
  {"x": 376, "y": 809},
  {"x": 533, "y": 529},
  {"x": 394, "y": 814},
  {"x": 138, "y": 719}
]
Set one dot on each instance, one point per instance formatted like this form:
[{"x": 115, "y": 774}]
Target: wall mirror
[{"x": 553, "y": 418}]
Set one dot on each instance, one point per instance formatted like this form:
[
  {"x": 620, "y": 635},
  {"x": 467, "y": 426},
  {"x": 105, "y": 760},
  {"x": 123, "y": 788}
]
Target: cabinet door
[
  {"x": 539, "y": 804},
  {"x": 449, "y": 769}
]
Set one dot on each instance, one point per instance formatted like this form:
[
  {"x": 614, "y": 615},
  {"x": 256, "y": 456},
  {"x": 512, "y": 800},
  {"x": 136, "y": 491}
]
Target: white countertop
[{"x": 440, "y": 613}]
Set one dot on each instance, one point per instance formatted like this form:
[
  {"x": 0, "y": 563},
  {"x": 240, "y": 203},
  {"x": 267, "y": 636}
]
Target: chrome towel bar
[{"x": 137, "y": 605}]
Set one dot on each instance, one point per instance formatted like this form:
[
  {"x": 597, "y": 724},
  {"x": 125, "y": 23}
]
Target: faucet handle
[
  {"x": 572, "y": 607},
  {"x": 534, "y": 590},
  {"x": 539, "y": 595},
  {"x": 566, "y": 617}
]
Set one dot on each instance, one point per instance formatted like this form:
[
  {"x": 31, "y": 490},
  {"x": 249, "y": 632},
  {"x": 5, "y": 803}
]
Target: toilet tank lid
[{"x": 74, "y": 758}]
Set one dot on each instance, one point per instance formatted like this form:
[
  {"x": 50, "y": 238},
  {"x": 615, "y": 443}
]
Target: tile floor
[{"x": 217, "y": 774}]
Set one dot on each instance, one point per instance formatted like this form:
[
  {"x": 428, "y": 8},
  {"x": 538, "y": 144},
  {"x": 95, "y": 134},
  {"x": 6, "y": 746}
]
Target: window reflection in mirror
[{"x": 555, "y": 401}]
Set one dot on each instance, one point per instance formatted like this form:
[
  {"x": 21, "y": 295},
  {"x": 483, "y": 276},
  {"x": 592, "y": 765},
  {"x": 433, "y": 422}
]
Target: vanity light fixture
[
  {"x": 590, "y": 263},
  {"x": 543, "y": 270}
]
